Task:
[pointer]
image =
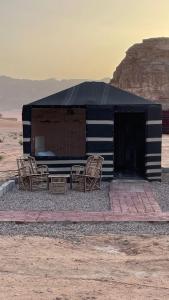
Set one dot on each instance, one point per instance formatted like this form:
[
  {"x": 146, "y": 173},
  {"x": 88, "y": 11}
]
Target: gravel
[
  {"x": 95, "y": 201},
  {"x": 75, "y": 231},
  {"x": 161, "y": 191},
  {"x": 43, "y": 200}
]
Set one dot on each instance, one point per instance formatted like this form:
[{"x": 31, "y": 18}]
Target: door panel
[{"x": 129, "y": 142}]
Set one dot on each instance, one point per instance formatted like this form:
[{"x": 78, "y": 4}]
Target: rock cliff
[{"x": 145, "y": 70}]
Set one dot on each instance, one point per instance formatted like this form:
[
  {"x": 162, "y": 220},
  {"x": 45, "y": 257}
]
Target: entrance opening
[{"x": 129, "y": 144}]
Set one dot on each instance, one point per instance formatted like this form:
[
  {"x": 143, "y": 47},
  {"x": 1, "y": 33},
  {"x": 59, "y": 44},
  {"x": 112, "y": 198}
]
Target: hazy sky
[{"x": 74, "y": 38}]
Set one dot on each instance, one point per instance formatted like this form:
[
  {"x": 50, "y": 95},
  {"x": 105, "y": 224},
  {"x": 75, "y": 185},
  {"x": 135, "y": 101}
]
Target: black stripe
[
  {"x": 153, "y": 174},
  {"x": 99, "y": 147},
  {"x": 153, "y": 167},
  {"x": 68, "y": 165},
  {"x": 51, "y": 158},
  {"x": 26, "y": 113},
  {"x": 154, "y": 112},
  {"x": 153, "y": 158},
  {"x": 154, "y": 131},
  {"x": 26, "y": 131},
  {"x": 99, "y": 113},
  {"x": 154, "y": 147},
  {"x": 130, "y": 108},
  {"x": 99, "y": 130},
  {"x": 27, "y": 147}
]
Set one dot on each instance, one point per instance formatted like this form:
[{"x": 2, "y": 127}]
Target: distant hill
[{"x": 16, "y": 92}]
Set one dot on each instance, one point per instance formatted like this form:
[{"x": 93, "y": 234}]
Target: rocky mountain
[
  {"x": 16, "y": 92},
  {"x": 145, "y": 70}
]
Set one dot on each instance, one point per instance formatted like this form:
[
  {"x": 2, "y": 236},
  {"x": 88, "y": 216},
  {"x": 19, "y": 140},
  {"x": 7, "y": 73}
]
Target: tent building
[{"x": 63, "y": 129}]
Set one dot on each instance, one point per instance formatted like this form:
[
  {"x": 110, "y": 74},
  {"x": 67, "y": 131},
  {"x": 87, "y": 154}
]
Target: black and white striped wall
[
  {"x": 99, "y": 140},
  {"x": 153, "y": 143},
  {"x": 99, "y": 136},
  {"x": 26, "y": 123}
]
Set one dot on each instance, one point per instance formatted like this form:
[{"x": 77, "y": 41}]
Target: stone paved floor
[
  {"x": 132, "y": 197},
  {"x": 129, "y": 201}
]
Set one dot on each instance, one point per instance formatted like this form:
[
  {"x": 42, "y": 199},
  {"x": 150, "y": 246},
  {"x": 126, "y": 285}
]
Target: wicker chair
[
  {"x": 23, "y": 175},
  {"x": 76, "y": 170},
  {"x": 30, "y": 176},
  {"x": 90, "y": 179},
  {"x": 35, "y": 169}
]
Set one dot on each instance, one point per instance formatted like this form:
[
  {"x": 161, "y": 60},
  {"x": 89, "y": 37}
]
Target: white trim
[
  {"x": 109, "y": 176},
  {"x": 62, "y": 162},
  {"x": 153, "y": 154},
  {"x": 153, "y": 122},
  {"x": 151, "y": 140},
  {"x": 103, "y": 153},
  {"x": 99, "y": 139},
  {"x": 26, "y": 122},
  {"x": 69, "y": 168},
  {"x": 155, "y": 177},
  {"x": 153, "y": 163},
  {"x": 105, "y": 122},
  {"x": 153, "y": 171},
  {"x": 60, "y": 169},
  {"x": 55, "y": 162},
  {"x": 26, "y": 140}
]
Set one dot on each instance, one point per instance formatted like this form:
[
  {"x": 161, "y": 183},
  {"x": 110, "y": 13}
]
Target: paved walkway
[
  {"x": 135, "y": 197},
  {"x": 129, "y": 201}
]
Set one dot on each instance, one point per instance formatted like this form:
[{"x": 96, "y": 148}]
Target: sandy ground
[
  {"x": 165, "y": 151},
  {"x": 10, "y": 148},
  {"x": 103, "y": 267}
]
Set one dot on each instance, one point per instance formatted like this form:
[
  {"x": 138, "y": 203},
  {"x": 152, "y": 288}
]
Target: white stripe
[
  {"x": 69, "y": 169},
  {"x": 106, "y": 122},
  {"x": 26, "y": 122},
  {"x": 60, "y": 169},
  {"x": 62, "y": 162},
  {"x": 25, "y": 140},
  {"x": 153, "y": 122},
  {"x": 153, "y": 171},
  {"x": 109, "y": 176},
  {"x": 155, "y": 177},
  {"x": 153, "y": 154},
  {"x": 151, "y": 140},
  {"x": 153, "y": 163},
  {"x": 103, "y": 153},
  {"x": 99, "y": 139}
]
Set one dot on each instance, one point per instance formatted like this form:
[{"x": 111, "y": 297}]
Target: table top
[{"x": 58, "y": 176}]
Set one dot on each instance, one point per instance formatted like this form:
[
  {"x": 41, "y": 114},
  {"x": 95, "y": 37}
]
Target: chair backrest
[
  {"x": 94, "y": 166},
  {"x": 32, "y": 164},
  {"x": 23, "y": 167},
  {"x": 77, "y": 170}
]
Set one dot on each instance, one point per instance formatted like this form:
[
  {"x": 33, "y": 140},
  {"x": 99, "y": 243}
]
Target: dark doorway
[{"x": 129, "y": 144}]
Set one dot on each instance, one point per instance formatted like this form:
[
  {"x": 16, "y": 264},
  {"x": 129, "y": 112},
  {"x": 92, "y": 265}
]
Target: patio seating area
[{"x": 32, "y": 177}]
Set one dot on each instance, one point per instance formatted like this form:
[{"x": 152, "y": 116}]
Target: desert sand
[
  {"x": 10, "y": 144},
  {"x": 104, "y": 267}
]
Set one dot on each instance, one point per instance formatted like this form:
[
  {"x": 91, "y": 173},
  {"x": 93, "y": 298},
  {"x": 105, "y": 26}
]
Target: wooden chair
[
  {"x": 91, "y": 178},
  {"x": 30, "y": 176},
  {"x": 76, "y": 170},
  {"x": 23, "y": 175},
  {"x": 35, "y": 169}
]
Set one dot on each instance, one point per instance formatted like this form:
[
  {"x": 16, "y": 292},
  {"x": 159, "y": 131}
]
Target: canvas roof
[{"x": 91, "y": 93}]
